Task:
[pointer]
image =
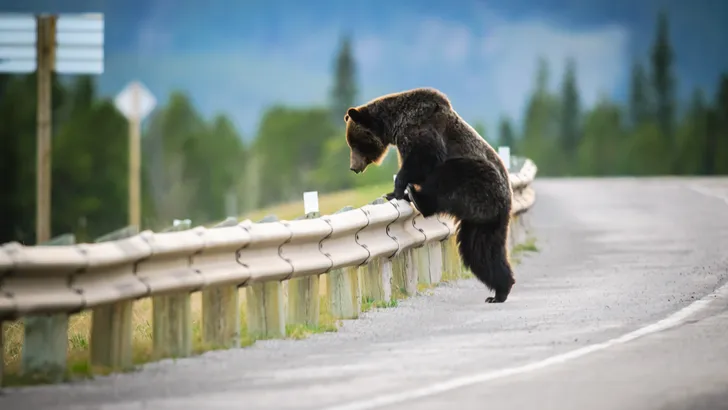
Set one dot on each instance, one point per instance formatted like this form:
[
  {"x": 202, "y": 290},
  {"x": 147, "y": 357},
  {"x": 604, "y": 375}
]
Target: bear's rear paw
[{"x": 496, "y": 299}]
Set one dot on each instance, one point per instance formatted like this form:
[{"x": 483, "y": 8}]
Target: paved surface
[{"x": 614, "y": 256}]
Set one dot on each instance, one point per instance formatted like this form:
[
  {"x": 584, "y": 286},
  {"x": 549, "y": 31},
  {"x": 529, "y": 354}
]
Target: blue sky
[{"x": 238, "y": 57}]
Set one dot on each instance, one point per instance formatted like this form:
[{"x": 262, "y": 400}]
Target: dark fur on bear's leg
[
  {"x": 423, "y": 201},
  {"x": 458, "y": 187},
  {"x": 482, "y": 247}
]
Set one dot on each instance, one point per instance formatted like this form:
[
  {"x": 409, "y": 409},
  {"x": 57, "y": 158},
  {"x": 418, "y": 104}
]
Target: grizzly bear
[{"x": 445, "y": 167}]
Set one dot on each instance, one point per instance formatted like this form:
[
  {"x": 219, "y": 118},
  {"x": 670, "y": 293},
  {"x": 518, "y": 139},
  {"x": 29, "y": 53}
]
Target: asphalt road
[{"x": 616, "y": 257}]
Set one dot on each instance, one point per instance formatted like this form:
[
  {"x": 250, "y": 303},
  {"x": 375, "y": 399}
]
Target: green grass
[
  {"x": 327, "y": 323},
  {"x": 519, "y": 250},
  {"x": 328, "y": 204},
  {"x": 368, "y": 304}
]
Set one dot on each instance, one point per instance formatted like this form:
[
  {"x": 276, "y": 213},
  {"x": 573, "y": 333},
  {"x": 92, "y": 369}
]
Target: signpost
[
  {"x": 66, "y": 44},
  {"x": 135, "y": 102}
]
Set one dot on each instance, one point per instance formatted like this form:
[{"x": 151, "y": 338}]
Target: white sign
[
  {"x": 505, "y": 154},
  {"x": 135, "y": 100},
  {"x": 310, "y": 202},
  {"x": 79, "y": 43}
]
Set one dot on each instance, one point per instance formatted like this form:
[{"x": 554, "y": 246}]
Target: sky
[{"x": 240, "y": 57}]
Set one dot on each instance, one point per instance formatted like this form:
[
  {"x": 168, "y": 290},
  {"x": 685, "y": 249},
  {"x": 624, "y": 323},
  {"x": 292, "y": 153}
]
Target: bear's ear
[
  {"x": 360, "y": 117},
  {"x": 354, "y": 114}
]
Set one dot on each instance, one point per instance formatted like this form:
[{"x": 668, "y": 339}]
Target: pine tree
[
  {"x": 570, "y": 112},
  {"x": 505, "y": 134},
  {"x": 344, "y": 91},
  {"x": 718, "y": 131},
  {"x": 83, "y": 92},
  {"x": 639, "y": 104},
  {"x": 662, "y": 80},
  {"x": 541, "y": 124}
]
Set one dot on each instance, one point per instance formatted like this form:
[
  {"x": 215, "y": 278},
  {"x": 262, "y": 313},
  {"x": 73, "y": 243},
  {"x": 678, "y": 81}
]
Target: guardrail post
[
  {"x": 221, "y": 311},
  {"x": 405, "y": 272},
  {"x": 2, "y": 350},
  {"x": 265, "y": 307},
  {"x": 423, "y": 264},
  {"x": 343, "y": 288},
  {"x": 172, "y": 318},
  {"x": 45, "y": 347},
  {"x": 111, "y": 325},
  {"x": 434, "y": 253},
  {"x": 303, "y": 294},
  {"x": 376, "y": 277}
]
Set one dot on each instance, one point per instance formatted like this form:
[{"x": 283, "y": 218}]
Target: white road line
[
  {"x": 671, "y": 321},
  {"x": 707, "y": 192}
]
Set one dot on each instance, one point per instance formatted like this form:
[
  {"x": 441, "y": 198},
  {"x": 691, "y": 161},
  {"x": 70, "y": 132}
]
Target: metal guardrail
[{"x": 168, "y": 266}]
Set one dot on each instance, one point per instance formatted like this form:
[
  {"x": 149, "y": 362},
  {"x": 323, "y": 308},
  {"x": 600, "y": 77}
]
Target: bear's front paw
[
  {"x": 396, "y": 195},
  {"x": 422, "y": 203}
]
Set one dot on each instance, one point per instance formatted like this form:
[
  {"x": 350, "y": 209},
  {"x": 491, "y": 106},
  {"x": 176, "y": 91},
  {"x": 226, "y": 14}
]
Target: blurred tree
[
  {"x": 718, "y": 132},
  {"x": 692, "y": 141},
  {"x": 224, "y": 155},
  {"x": 18, "y": 157},
  {"x": 646, "y": 152},
  {"x": 192, "y": 165},
  {"x": 169, "y": 148},
  {"x": 639, "y": 101},
  {"x": 83, "y": 93},
  {"x": 90, "y": 170},
  {"x": 601, "y": 152},
  {"x": 570, "y": 114},
  {"x": 289, "y": 147},
  {"x": 663, "y": 82},
  {"x": 541, "y": 125},
  {"x": 506, "y": 137},
  {"x": 10, "y": 160},
  {"x": 333, "y": 174},
  {"x": 480, "y": 128},
  {"x": 344, "y": 91}
]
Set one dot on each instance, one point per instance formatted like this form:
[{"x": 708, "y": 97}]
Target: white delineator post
[{"x": 505, "y": 154}]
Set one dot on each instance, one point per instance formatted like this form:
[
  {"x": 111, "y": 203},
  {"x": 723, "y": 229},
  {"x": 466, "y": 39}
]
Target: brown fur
[{"x": 454, "y": 170}]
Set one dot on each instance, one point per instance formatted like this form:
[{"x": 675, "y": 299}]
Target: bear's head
[{"x": 364, "y": 135}]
